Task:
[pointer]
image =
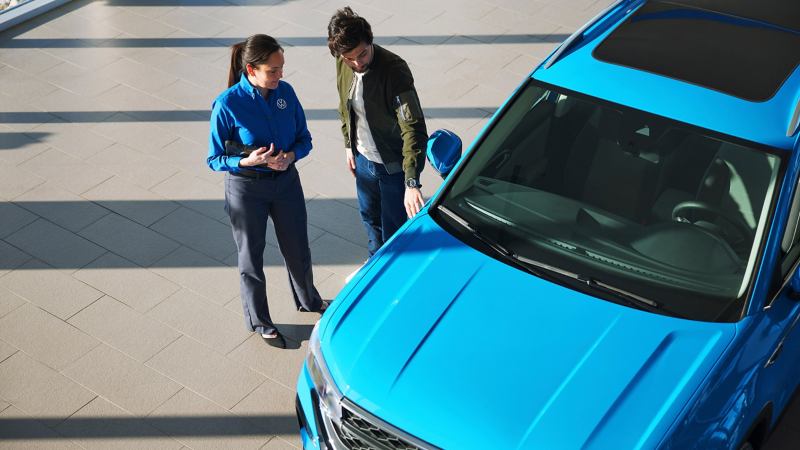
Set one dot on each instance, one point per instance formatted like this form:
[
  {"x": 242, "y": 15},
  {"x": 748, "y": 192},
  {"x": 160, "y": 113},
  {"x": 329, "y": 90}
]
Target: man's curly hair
[{"x": 346, "y": 31}]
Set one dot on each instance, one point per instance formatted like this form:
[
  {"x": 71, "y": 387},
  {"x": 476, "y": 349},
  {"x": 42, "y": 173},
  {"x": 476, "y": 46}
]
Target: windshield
[{"x": 644, "y": 204}]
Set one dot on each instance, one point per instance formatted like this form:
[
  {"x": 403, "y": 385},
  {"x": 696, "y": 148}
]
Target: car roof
[{"x": 727, "y": 65}]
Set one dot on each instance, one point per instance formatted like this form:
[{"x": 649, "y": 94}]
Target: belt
[{"x": 263, "y": 174}]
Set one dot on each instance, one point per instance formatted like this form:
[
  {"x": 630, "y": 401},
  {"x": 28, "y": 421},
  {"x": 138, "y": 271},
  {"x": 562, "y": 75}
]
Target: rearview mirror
[{"x": 444, "y": 151}]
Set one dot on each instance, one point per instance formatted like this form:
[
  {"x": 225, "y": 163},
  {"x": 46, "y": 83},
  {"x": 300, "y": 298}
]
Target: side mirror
[{"x": 444, "y": 151}]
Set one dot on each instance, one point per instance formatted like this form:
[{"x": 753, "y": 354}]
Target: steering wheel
[{"x": 737, "y": 223}]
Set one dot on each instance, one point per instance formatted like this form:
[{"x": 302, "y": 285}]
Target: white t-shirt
[{"x": 364, "y": 142}]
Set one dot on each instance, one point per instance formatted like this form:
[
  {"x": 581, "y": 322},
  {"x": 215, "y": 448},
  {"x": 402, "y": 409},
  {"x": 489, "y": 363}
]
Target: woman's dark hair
[
  {"x": 255, "y": 51},
  {"x": 346, "y": 31}
]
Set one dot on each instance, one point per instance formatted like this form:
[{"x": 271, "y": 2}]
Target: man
[{"x": 383, "y": 127}]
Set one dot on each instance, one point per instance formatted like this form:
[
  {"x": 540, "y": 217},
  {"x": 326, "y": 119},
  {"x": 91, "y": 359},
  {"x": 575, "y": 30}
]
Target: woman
[{"x": 260, "y": 111}]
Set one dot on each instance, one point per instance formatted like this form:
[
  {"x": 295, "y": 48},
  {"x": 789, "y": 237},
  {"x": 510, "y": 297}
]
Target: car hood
[{"x": 463, "y": 351}]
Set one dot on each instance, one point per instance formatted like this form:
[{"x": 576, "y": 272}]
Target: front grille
[{"x": 358, "y": 432}]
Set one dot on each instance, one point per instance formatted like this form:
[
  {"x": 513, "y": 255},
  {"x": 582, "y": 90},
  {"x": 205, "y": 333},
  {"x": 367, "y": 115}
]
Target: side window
[{"x": 790, "y": 245}]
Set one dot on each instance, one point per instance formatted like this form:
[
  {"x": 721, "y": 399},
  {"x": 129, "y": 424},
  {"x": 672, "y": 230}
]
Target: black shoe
[{"x": 278, "y": 341}]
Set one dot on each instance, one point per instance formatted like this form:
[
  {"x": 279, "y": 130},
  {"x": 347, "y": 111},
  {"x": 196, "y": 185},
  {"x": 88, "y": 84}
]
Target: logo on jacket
[{"x": 281, "y": 103}]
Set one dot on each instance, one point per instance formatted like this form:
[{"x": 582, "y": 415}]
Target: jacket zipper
[{"x": 400, "y": 109}]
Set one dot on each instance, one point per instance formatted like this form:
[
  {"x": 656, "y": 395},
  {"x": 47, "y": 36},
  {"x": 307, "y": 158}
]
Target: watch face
[{"x": 411, "y": 183}]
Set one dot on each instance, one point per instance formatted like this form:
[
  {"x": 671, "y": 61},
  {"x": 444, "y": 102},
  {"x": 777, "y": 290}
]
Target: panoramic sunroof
[{"x": 747, "y": 58}]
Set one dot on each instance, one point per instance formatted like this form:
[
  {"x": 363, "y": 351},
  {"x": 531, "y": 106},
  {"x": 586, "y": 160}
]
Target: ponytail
[
  {"x": 236, "y": 64},
  {"x": 254, "y": 51}
]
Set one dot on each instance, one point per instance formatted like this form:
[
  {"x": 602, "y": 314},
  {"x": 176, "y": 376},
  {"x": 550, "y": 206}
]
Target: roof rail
[
  {"x": 570, "y": 40},
  {"x": 795, "y": 121}
]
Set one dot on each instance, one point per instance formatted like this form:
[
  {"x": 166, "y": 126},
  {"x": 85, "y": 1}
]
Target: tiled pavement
[{"x": 120, "y": 319}]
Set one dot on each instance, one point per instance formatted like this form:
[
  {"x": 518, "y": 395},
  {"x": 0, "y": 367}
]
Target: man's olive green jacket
[{"x": 392, "y": 109}]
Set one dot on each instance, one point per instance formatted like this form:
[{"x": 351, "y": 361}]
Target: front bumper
[{"x": 359, "y": 429}]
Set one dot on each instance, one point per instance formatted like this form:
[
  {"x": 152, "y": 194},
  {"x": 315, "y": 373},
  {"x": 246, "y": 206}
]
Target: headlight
[{"x": 329, "y": 395}]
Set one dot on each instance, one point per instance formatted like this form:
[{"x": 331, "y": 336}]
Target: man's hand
[
  {"x": 351, "y": 162},
  {"x": 282, "y": 160},
  {"x": 258, "y": 157},
  {"x": 413, "y": 201}
]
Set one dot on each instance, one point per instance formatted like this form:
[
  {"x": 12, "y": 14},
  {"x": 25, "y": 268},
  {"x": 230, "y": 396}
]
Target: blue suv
[{"x": 611, "y": 265}]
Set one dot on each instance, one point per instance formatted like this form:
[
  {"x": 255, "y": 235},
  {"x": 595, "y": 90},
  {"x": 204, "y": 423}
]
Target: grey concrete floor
[{"x": 120, "y": 318}]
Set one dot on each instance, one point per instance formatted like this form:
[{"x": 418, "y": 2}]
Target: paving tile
[
  {"x": 247, "y": 20},
  {"x": 77, "y": 79},
  {"x": 492, "y": 56},
  {"x": 280, "y": 365},
  {"x": 124, "y": 328},
  {"x": 580, "y": 5},
  {"x": 20, "y": 115},
  {"x": 319, "y": 66},
  {"x": 136, "y": 75},
  {"x": 188, "y": 95},
  {"x": 520, "y": 24},
  {"x": 203, "y": 320},
  {"x": 22, "y": 86},
  {"x": 132, "y": 165},
  {"x": 199, "y": 273},
  {"x": 70, "y": 138},
  {"x": 472, "y": 9},
  {"x": 192, "y": 22},
  {"x": 458, "y": 24},
  {"x": 102, "y": 425},
  {"x": 308, "y": 87},
  {"x": 61, "y": 207},
  {"x": 135, "y": 103},
  {"x": 39, "y": 390},
  {"x": 206, "y": 50},
  {"x": 275, "y": 269},
  {"x": 83, "y": 28},
  {"x": 424, "y": 55},
  {"x": 523, "y": 65},
  {"x": 526, "y": 7},
  {"x": 279, "y": 444},
  {"x": 55, "y": 343},
  {"x": 484, "y": 98},
  {"x": 23, "y": 432},
  {"x": 11, "y": 257},
  {"x": 9, "y": 302},
  {"x": 6, "y": 350},
  {"x": 412, "y": 11},
  {"x": 486, "y": 76},
  {"x": 32, "y": 61},
  {"x": 137, "y": 25},
  {"x": 563, "y": 16},
  {"x": 190, "y": 124},
  {"x": 527, "y": 45},
  {"x": 205, "y": 371},
  {"x": 122, "y": 380},
  {"x": 55, "y": 246},
  {"x": 448, "y": 85},
  {"x": 302, "y": 15},
  {"x": 334, "y": 181},
  {"x": 50, "y": 289},
  {"x": 190, "y": 157},
  {"x": 206, "y": 235},
  {"x": 198, "y": 72},
  {"x": 130, "y": 201},
  {"x": 129, "y": 239},
  {"x": 15, "y": 182},
  {"x": 127, "y": 282},
  {"x": 12, "y": 217},
  {"x": 337, "y": 218},
  {"x": 784, "y": 438},
  {"x": 72, "y": 108},
  {"x": 269, "y": 407},
  {"x": 194, "y": 193},
  {"x": 134, "y": 133},
  {"x": 83, "y": 54},
  {"x": 200, "y": 424},
  {"x": 338, "y": 255},
  {"x": 298, "y": 36},
  {"x": 450, "y": 112},
  {"x": 151, "y": 10}
]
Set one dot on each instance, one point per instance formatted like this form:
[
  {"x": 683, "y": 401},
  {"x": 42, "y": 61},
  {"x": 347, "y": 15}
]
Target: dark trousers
[
  {"x": 380, "y": 201},
  {"x": 250, "y": 202}
]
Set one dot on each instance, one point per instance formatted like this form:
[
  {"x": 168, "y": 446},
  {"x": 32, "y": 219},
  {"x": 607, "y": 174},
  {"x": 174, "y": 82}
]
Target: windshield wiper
[
  {"x": 525, "y": 264},
  {"x": 491, "y": 243}
]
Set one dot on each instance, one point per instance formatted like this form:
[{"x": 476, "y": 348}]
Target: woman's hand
[
  {"x": 258, "y": 157},
  {"x": 282, "y": 160}
]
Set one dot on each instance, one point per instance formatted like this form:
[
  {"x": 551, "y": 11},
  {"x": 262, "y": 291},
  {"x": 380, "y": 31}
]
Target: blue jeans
[{"x": 380, "y": 200}]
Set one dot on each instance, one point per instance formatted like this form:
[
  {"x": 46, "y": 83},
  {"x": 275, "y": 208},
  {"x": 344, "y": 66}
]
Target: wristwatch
[{"x": 412, "y": 183}]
